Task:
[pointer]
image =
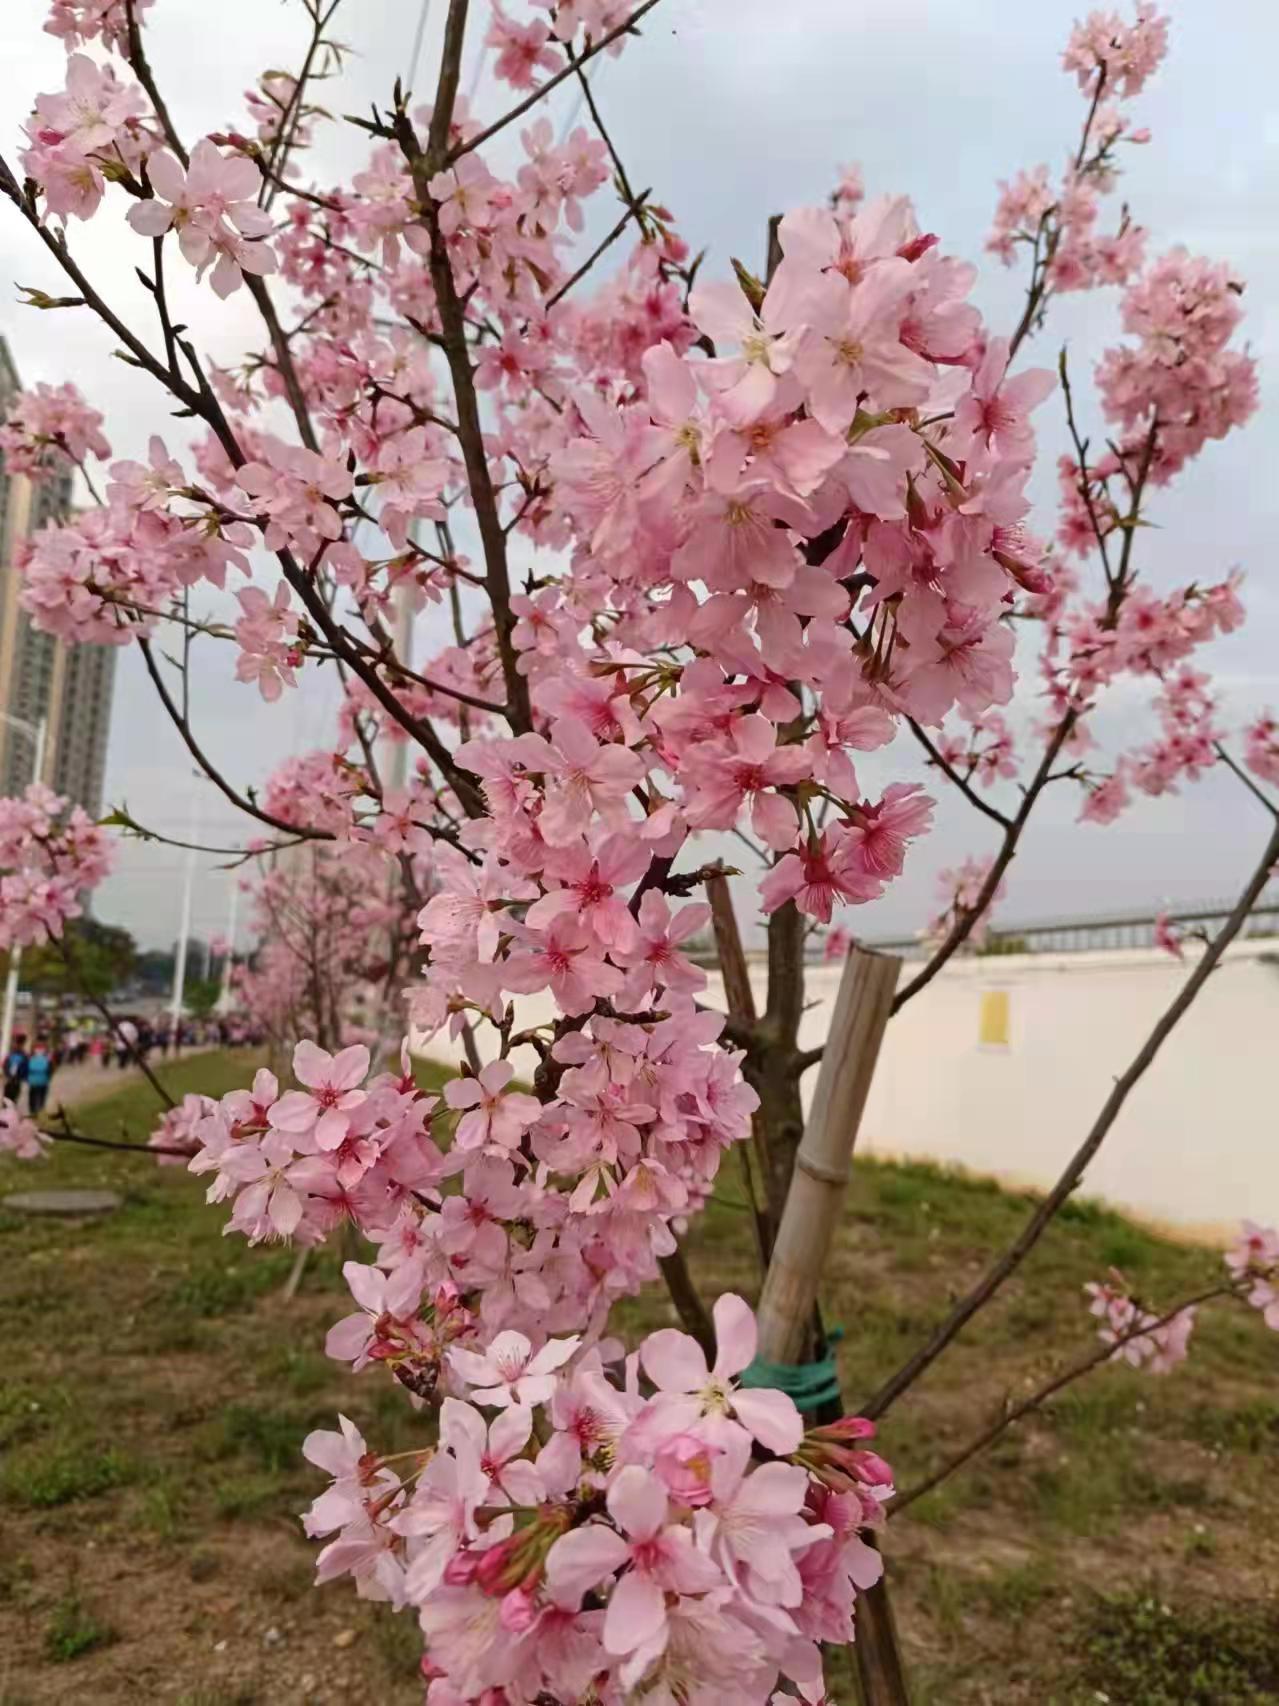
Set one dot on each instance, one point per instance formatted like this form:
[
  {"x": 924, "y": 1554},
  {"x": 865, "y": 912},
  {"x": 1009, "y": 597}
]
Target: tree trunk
[{"x": 772, "y": 1058}]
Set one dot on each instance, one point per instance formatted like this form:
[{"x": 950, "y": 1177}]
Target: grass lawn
[{"x": 155, "y": 1389}]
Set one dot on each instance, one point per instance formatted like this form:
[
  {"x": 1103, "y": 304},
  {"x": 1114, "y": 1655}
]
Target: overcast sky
[{"x": 731, "y": 112}]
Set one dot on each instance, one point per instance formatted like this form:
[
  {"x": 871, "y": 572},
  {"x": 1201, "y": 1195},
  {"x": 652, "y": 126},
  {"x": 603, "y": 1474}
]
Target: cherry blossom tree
[{"x": 698, "y": 542}]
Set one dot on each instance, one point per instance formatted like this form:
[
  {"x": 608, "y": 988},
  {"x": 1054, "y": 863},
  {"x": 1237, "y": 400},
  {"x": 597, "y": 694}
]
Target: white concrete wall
[{"x": 1197, "y": 1144}]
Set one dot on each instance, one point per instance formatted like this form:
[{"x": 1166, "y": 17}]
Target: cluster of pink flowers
[
  {"x": 1182, "y": 312},
  {"x": 267, "y": 636},
  {"x": 565, "y": 1201},
  {"x": 85, "y": 134},
  {"x": 985, "y": 754},
  {"x": 1058, "y": 224},
  {"x": 959, "y": 888},
  {"x": 1253, "y": 1264},
  {"x": 47, "y": 424},
  {"x": 1141, "y": 1339},
  {"x": 19, "y": 1136},
  {"x": 50, "y": 856},
  {"x": 793, "y": 516},
  {"x": 1157, "y": 1342},
  {"x": 178, "y": 1129},
  {"x": 1104, "y": 49},
  {"x": 97, "y": 129},
  {"x": 572, "y": 1536},
  {"x": 1168, "y": 936},
  {"x": 1261, "y": 750},
  {"x": 105, "y": 575},
  {"x": 212, "y": 205},
  {"x": 78, "y": 21}
]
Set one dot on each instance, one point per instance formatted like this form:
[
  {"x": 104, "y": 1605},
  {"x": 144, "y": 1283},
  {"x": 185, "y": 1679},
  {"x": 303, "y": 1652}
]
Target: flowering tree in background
[{"x": 701, "y": 544}]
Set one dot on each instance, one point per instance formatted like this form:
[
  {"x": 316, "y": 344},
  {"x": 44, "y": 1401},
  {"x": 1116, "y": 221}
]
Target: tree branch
[
  {"x": 1076, "y": 1370},
  {"x": 688, "y": 1305},
  {"x": 968, "y": 916},
  {"x": 470, "y": 429},
  {"x": 1012, "y": 1258},
  {"x": 544, "y": 89},
  {"x": 634, "y": 203},
  {"x": 215, "y": 776},
  {"x": 962, "y": 783},
  {"x": 1242, "y": 774},
  {"x": 599, "y": 249},
  {"x": 64, "y": 1134}
]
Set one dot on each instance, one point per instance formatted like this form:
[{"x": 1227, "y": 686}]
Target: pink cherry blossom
[
  {"x": 322, "y": 1110},
  {"x": 212, "y": 205},
  {"x": 493, "y": 1117},
  {"x": 688, "y": 1391},
  {"x": 510, "y": 1371}
]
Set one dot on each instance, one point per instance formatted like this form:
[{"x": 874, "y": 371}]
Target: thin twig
[
  {"x": 589, "y": 262},
  {"x": 688, "y": 1304},
  {"x": 634, "y": 203},
  {"x": 1075, "y": 1372},
  {"x": 1072, "y": 1174},
  {"x": 64, "y": 1134},
  {"x": 210, "y": 770},
  {"x": 1247, "y": 780},
  {"x": 962, "y": 783},
  {"x": 1081, "y": 456},
  {"x": 967, "y": 917},
  {"x": 544, "y": 89}
]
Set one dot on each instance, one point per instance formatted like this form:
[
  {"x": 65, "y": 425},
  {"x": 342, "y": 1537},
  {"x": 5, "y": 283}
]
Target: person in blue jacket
[
  {"x": 15, "y": 1068},
  {"x": 39, "y": 1074}
]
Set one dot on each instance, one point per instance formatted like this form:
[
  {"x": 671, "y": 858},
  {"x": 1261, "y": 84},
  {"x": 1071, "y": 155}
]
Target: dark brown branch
[
  {"x": 589, "y": 262},
  {"x": 1075, "y": 1372},
  {"x": 968, "y": 916},
  {"x": 203, "y": 403},
  {"x": 1012, "y": 1258},
  {"x": 437, "y": 141},
  {"x": 68, "y": 959},
  {"x": 1049, "y": 235},
  {"x": 291, "y": 116},
  {"x": 137, "y": 58},
  {"x": 57, "y": 246},
  {"x": 64, "y": 1134},
  {"x": 1081, "y": 456},
  {"x": 634, "y": 203},
  {"x": 452, "y": 315},
  {"x": 688, "y": 1305},
  {"x": 1242, "y": 774},
  {"x": 961, "y": 782},
  {"x": 283, "y": 360},
  {"x": 733, "y": 964},
  {"x": 215, "y": 776},
  {"x": 544, "y": 89}
]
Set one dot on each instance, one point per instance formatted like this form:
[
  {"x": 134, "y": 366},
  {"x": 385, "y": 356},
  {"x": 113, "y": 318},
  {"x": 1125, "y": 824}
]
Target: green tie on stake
[{"x": 810, "y": 1384}]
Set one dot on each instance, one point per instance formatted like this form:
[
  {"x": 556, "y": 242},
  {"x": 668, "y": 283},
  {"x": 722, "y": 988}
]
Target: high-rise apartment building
[{"x": 68, "y": 687}]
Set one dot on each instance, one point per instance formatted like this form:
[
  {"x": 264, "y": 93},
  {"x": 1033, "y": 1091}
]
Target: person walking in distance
[
  {"x": 15, "y": 1068},
  {"x": 127, "y": 1032},
  {"x": 39, "y": 1074}
]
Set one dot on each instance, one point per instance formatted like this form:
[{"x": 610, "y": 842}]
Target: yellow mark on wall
[{"x": 993, "y": 1023}]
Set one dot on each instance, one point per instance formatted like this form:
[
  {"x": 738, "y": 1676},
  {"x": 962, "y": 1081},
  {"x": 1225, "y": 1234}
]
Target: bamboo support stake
[
  {"x": 788, "y": 1308},
  {"x": 816, "y": 1196}
]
